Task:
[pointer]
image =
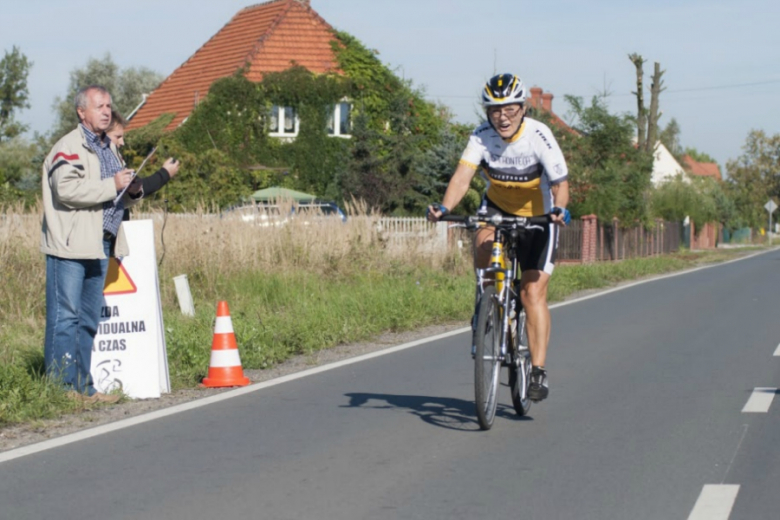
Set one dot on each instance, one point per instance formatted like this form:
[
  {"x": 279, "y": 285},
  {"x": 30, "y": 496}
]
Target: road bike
[{"x": 500, "y": 337}]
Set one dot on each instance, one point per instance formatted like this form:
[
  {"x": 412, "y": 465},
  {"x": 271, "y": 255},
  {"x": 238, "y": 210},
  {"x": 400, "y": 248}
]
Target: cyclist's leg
[
  {"x": 537, "y": 250},
  {"x": 483, "y": 244},
  {"x": 483, "y": 239},
  {"x": 533, "y": 293}
]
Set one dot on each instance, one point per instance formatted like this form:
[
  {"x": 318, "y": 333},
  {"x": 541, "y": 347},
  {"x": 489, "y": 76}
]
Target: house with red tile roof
[
  {"x": 702, "y": 169},
  {"x": 542, "y": 101},
  {"x": 262, "y": 38}
]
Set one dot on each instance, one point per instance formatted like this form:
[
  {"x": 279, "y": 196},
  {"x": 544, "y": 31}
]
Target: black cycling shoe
[{"x": 538, "y": 389}]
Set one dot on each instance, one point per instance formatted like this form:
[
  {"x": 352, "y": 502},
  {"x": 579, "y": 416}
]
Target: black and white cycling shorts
[{"x": 537, "y": 245}]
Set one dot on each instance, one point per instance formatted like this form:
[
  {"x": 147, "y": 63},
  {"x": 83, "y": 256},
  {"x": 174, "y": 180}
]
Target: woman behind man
[{"x": 152, "y": 183}]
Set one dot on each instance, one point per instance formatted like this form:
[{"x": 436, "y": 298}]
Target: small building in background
[{"x": 665, "y": 166}]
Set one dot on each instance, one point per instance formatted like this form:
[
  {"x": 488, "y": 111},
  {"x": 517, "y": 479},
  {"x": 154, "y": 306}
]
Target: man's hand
[
  {"x": 122, "y": 179},
  {"x": 172, "y": 166},
  {"x": 435, "y": 212},
  {"x": 135, "y": 187},
  {"x": 560, "y": 216}
]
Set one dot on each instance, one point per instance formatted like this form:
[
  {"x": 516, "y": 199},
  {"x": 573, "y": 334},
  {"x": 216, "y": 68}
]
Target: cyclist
[{"x": 526, "y": 176}]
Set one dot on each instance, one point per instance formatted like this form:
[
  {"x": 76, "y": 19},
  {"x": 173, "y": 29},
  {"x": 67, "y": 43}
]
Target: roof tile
[{"x": 704, "y": 169}]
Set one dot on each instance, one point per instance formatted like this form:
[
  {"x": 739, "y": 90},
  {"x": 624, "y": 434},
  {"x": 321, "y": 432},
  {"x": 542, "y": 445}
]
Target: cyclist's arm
[
  {"x": 459, "y": 184},
  {"x": 560, "y": 193},
  {"x": 456, "y": 190}
]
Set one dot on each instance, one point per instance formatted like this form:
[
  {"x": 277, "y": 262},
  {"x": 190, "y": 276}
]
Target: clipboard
[{"x": 135, "y": 174}]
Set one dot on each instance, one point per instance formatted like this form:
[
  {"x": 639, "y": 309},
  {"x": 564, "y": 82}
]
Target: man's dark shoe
[{"x": 538, "y": 388}]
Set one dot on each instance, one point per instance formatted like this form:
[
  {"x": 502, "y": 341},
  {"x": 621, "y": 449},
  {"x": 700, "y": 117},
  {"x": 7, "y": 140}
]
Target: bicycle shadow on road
[{"x": 444, "y": 412}]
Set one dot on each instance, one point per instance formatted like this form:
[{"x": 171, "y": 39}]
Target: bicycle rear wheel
[
  {"x": 487, "y": 364},
  {"x": 520, "y": 369}
]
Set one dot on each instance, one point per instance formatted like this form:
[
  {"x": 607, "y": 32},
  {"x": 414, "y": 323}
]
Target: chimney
[
  {"x": 307, "y": 3},
  {"x": 536, "y": 97},
  {"x": 547, "y": 101}
]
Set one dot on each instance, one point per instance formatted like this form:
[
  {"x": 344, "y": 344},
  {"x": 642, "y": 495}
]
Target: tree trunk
[
  {"x": 641, "y": 112},
  {"x": 652, "y": 123}
]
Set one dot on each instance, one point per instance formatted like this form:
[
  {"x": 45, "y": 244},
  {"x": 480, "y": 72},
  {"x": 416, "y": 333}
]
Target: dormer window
[
  {"x": 283, "y": 122},
  {"x": 340, "y": 120}
]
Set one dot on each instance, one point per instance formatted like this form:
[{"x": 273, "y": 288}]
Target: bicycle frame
[{"x": 501, "y": 255}]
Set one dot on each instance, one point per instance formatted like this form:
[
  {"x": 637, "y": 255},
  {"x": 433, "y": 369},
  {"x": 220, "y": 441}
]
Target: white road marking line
[
  {"x": 715, "y": 502},
  {"x": 118, "y": 425},
  {"x": 777, "y": 351},
  {"x": 760, "y": 400}
]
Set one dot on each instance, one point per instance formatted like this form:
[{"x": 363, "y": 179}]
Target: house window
[
  {"x": 340, "y": 120},
  {"x": 283, "y": 121}
]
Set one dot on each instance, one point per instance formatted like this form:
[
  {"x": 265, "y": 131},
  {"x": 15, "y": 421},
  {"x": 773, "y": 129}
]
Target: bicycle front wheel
[{"x": 487, "y": 362}]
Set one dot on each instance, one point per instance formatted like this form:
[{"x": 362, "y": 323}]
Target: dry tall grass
[
  {"x": 209, "y": 247},
  {"x": 22, "y": 291}
]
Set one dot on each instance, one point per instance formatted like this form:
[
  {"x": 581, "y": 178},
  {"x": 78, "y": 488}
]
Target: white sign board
[
  {"x": 770, "y": 206},
  {"x": 129, "y": 350}
]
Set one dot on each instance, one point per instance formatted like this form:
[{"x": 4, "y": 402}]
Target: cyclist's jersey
[{"x": 520, "y": 172}]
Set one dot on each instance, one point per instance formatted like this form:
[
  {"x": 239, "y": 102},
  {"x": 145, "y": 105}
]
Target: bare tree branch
[{"x": 641, "y": 112}]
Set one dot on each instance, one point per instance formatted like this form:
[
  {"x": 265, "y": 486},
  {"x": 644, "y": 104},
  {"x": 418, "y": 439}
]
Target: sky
[{"x": 721, "y": 59}]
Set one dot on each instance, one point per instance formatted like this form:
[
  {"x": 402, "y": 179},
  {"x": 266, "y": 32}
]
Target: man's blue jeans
[{"x": 74, "y": 298}]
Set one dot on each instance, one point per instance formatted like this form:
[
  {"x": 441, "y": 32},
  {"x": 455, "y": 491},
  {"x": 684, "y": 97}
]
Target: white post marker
[
  {"x": 770, "y": 207},
  {"x": 129, "y": 351},
  {"x": 184, "y": 295}
]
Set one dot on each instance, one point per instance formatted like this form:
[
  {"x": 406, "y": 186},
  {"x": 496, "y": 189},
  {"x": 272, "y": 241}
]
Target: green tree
[
  {"x": 754, "y": 177},
  {"x": 670, "y": 137},
  {"x": 20, "y": 175},
  {"x": 703, "y": 199},
  {"x": 608, "y": 175},
  {"x": 14, "y": 68},
  {"x": 127, "y": 88}
]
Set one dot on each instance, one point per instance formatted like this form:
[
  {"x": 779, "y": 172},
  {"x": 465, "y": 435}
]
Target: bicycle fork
[{"x": 498, "y": 275}]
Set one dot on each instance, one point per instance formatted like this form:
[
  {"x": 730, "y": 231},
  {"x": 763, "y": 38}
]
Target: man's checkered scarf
[{"x": 109, "y": 165}]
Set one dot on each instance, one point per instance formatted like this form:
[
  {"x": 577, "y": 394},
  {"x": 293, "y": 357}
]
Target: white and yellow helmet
[{"x": 503, "y": 89}]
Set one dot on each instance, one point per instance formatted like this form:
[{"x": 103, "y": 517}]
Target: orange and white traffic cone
[{"x": 225, "y": 366}]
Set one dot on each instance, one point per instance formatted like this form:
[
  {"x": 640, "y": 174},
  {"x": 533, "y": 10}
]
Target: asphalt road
[{"x": 645, "y": 420}]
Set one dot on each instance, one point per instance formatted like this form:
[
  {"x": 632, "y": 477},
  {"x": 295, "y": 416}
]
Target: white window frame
[
  {"x": 281, "y": 120},
  {"x": 336, "y": 119}
]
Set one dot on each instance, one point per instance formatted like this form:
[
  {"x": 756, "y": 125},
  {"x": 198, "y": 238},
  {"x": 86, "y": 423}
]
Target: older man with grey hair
[{"x": 82, "y": 177}]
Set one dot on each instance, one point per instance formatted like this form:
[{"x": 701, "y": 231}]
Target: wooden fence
[{"x": 613, "y": 242}]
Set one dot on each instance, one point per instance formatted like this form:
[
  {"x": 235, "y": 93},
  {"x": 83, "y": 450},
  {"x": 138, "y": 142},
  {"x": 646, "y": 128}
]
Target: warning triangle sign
[{"x": 117, "y": 279}]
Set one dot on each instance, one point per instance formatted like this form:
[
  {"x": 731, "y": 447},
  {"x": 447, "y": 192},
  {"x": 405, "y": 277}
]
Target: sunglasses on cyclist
[{"x": 507, "y": 110}]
